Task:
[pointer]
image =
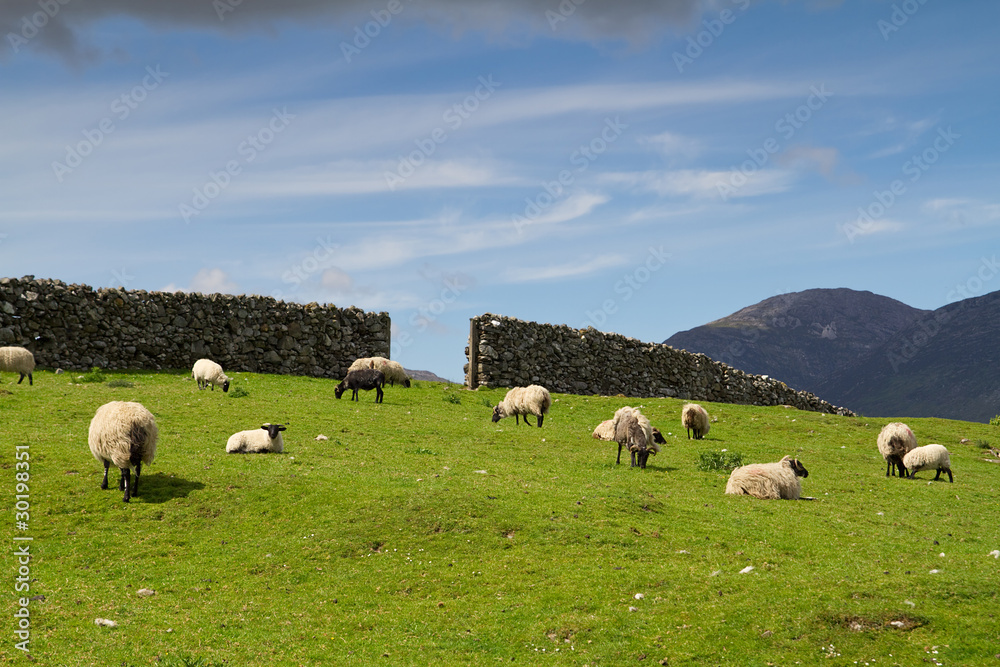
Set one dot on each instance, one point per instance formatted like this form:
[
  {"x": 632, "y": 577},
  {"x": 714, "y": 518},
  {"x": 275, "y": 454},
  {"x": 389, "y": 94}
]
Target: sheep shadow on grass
[{"x": 159, "y": 488}]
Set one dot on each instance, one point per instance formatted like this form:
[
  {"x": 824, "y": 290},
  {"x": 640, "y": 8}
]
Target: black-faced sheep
[
  {"x": 125, "y": 434},
  {"x": 207, "y": 372},
  {"x": 633, "y": 431},
  {"x": 17, "y": 360},
  {"x": 366, "y": 378},
  {"x": 894, "y": 441},
  {"x": 695, "y": 418},
  {"x": 267, "y": 438},
  {"x": 524, "y": 401},
  {"x": 769, "y": 481},
  {"x": 929, "y": 457}
]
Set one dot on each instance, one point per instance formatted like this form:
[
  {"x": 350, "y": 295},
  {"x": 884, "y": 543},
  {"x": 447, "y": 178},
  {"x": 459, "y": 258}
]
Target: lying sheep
[
  {"x": 523, "y": 401},
  {"x": 392, "y": 370},
  {"x": 894, "y": 441},
  {"x": 267, "y": 438},
  {"x": 207, "y": 372},
  {"x": 366, "y": 378},
  {"x": 125, "y": 434},
  {"x": 633, "y": 431},
  {"x": 929, "y": 457},
  {"x": 17, "y": 360},
  {"x": 695, "y": 418},
  {"x": 769, "y": 481}
]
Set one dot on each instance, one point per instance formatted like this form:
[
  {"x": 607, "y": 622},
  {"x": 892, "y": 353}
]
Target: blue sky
[{"x": 642, "y": 167}]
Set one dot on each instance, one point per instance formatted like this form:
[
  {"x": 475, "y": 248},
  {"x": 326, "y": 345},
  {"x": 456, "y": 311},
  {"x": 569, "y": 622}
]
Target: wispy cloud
[
  {"x": 701, "y": 183},
  {"x": 570, "y": 270}
]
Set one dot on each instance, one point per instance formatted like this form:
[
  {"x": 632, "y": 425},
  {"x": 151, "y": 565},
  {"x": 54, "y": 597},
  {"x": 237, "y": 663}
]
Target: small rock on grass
[
  {"x": 146, "y": 592},
  {"x": 105, "y": 622}
]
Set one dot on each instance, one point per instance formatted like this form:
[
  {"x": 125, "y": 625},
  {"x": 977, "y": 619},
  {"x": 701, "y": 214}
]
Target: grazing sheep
[
  {"x": 267, "y": 438},
  {"x": 17, "y": 360},
  {"x": 605, "y": 430},
  {"x": 633, "y": 430},
  {"x": 366, "y": 378},
  {"x": 695, "y": 418},
  {"x": 393, "y": 370},
  {"x": 523, "y": 401},
  {"x": 929, "y": 457},
  {"x": 125, "y": 434},
  {"x": 769, "y": 481},
  {"x": 894, "y": 441},
  {"x": 207, "y": 372}
]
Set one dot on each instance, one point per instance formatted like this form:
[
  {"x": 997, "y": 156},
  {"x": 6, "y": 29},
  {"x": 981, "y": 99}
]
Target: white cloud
[
  {"x": 571, "y": 270},
  {"x": 673, "y": 146},
  {"x": 336, "y": 280},
  {"x": 207, "y": 281},
  {"x": 701, "y": 183}
]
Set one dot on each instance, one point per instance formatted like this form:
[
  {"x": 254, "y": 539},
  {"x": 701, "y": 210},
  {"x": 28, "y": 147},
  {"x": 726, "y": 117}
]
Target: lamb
[
  {"x": 393, "y": 370},
  {"x": 17, "y": 360},
  {"x": 125, "y": 434},
  {"x": 523, "y": 401},
  {"x": 207, "y": 372},
  {"x": 695, "y": 418},
  {"x": 366, "y": 378},
  {"x": 267, "y": 438},
  {"x": 633, "y": 430},
  {"x": 894, "y": 441},
  {"x": 768, "y": 481},
  {"x": 928, "y": 457}
]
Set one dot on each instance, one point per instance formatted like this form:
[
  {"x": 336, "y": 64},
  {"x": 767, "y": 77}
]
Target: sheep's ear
[
  {"x": 266, "y": 426},
  {"x": 281, "y": 427}
]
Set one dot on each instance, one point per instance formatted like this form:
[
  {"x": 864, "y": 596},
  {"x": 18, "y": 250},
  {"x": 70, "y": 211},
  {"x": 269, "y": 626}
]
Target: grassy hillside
[{"x": 422, "y": 533}]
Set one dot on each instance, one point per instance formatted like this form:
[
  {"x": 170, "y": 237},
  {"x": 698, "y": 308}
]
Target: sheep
[
  {"x": 393, "y": 370},
  {"x": 267, "y": 438},
  {"x": 605, "y": 430},
  {"x": 768, "y": 481},
  {"x": 523, "y": 401},
  {"x": 366, "y": 378},
  {"x": 929, "y": 457},
  {"x": 633, "y": 430},
  {"x": 125, "y": 434},
  {"x": 207, "y": 372},
  {"x": 17, "y": 360},
  {"x": 695, "y": 418},
  {"x": 894, "y": 441}
]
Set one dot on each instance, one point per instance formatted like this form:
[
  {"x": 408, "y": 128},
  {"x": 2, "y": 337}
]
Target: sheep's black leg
[
  {"x": 526, "y": 420},
  {"x": 517, "y": 419},
  {"x": 633, "y": 459},
  {"x": 21, "y": 379},
  {"x": 104, "y": 482},
  {"x": 126, "y": 474},
  {"x": 950, "y": 477},
  {"x": 889, "y": 465},
  {"x": 618, "y": 462},
  {"x": 135, "y": 483},
  {"x": 689, "y": 434},
  {"x": 378, "y": 394},
  {"x": 902, "y": 468},
  {"x": 30, "y": 381},
  {"x": 121, "y": 481},
  {"x": 540, "y": 418},
  {"x": 354, "y": 395}
]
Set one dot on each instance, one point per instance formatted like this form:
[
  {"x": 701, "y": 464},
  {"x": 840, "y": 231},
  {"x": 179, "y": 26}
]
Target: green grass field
[{"x": 421, "y": 533}]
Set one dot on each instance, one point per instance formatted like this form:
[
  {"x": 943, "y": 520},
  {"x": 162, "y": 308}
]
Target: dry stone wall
[
  {"x": 506, "y": 352},
  {"x": 77, "y": 327}
]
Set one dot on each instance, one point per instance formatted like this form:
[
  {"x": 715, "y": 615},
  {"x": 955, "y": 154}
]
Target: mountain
[
  {"x": 426, "y": 376},
  {"x": 802, "y": 338},
  {"x": 944, "y": 365},
  {"x": 870, "y": 353}
]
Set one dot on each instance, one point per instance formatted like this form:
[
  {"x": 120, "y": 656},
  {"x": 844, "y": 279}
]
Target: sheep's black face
[
  {"x": 273, "y": 430},
  {"x": 225, "y": 387},
  {"x": 496, "y": 414},
  {"x": 338, "y": 391},
  {"x": 658, "y": 437},
  {"x": 798, "y": 468},
  {"x": 406, "y": 383}
]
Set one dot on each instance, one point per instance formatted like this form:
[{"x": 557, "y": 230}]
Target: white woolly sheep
[
  {"x": 695, "y": 418},
  {"x": 393, "y": 370},
  {"x": 605, "y": 430},
  {"x": 267, "y": 438},
  {"x": 894, "y": 441},
  {"x": 207, "y": 372},
  {"x": 523, "y": 401},
  {"x": 768, "y": 481},
  {"x": 365, "y": 378},
  {"x": 633, "y": 430},
  {"x": 929, "y": 457},
  {"x": 17, "y": 360},
  {"x": 125, "y": 434}
]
